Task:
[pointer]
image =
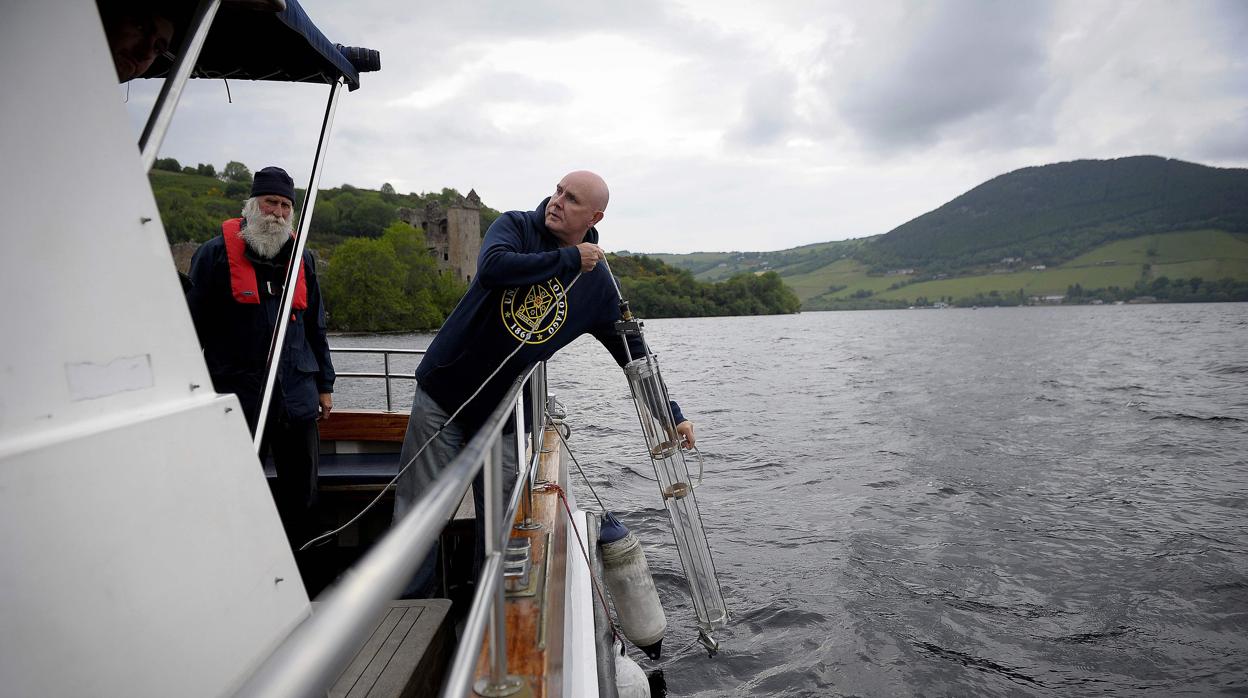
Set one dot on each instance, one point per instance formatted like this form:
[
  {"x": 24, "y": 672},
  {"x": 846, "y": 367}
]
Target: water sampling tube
[{"x": 663, "y": 444}]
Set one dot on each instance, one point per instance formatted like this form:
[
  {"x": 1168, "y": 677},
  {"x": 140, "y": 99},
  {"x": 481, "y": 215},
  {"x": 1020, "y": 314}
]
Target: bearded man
[{"x": 235, "y": 298}]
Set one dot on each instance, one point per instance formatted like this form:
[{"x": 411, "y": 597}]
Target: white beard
[{"x": 265, "y": 235}]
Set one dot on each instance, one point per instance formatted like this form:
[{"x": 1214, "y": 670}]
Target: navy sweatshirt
[{"x": 521, "y": 272}]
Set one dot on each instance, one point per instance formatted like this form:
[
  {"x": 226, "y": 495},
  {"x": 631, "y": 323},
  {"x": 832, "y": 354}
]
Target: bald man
[{"x": 528, "y": 261}]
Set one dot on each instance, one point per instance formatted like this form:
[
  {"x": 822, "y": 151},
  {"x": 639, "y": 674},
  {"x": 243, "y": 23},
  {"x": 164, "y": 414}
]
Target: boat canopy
[{"x": 246, "y": 43}]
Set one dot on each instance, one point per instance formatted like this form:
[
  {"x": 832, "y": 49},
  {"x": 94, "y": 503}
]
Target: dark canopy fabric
[{"x": 249, "y": 44}]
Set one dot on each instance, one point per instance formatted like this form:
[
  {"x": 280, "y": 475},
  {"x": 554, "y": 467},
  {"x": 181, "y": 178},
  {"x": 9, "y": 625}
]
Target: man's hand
[
  {"x": 685, "y": 429},
  {"x": 327, "y": 405},
  {"x": 590, "y": 254}
]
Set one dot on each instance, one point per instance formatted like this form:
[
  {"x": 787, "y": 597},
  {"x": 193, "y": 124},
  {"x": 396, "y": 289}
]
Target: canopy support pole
[{"x": 292, "y": 270}]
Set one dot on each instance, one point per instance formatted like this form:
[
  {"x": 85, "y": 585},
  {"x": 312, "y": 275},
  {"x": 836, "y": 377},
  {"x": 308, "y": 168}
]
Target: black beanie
[{"x": 273, "y": 180}]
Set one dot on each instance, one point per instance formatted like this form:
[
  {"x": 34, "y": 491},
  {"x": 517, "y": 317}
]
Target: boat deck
[
  {"x": 406, "y": 655},
  {"x": 410, "y": 647}
]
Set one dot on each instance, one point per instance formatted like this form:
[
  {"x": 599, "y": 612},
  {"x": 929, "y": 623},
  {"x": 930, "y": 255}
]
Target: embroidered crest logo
[{"x": 537, "y": 315}]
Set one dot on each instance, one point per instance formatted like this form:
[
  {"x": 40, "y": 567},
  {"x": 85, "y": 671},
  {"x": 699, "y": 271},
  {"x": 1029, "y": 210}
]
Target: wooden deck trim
[{"x": 364, "y": 425}]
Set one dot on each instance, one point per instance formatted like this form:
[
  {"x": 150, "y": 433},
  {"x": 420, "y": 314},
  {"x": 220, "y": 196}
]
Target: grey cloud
[
  {"x": 1225, "y": 143},
  {"x": 961, "y": 60},
  {"x": 767, "y": 111},
  {"x": 434, "y": 25}
]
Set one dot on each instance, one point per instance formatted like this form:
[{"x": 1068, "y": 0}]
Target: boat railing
[
  {"x": 385, "y": 372},
  {"x": 317, "y": 651}
]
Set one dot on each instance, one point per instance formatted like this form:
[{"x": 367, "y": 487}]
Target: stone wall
[
  {"x": 453, "y": 234},
  {"x": 182, "y": 253}
]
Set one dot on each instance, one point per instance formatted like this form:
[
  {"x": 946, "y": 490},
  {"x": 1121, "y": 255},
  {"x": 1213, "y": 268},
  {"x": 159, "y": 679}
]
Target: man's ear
[{"x": 597, "y": 217}]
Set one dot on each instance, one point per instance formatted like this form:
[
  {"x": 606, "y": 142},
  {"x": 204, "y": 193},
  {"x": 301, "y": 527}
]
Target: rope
[
  {"x": 408, "y": 464},
  {"x": 578, "y": 468},
  {"x": 584, "y": 554}
]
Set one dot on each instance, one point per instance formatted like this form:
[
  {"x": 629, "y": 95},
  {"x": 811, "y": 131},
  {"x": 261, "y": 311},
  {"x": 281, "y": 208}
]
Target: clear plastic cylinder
[{"x": 663, "y": 443}]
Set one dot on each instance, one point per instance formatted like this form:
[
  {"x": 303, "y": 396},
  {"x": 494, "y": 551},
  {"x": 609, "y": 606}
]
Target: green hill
[
  {"x": 1113, "y": 230},
  {"x": 1053, "y": 213}
]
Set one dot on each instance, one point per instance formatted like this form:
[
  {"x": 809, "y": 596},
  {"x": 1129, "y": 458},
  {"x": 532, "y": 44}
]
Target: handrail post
[
  {"x": 537, "y": 404},
  {"x": 386, "y": 361},
  {"x": 537, "y": 407},
  {"x": 499, "y": 683}
]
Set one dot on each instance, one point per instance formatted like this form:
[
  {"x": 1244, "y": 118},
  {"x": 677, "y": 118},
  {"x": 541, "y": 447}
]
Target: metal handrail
[
  {"x": 317, "y": 651},
  {"x": 385, "y": 356}
]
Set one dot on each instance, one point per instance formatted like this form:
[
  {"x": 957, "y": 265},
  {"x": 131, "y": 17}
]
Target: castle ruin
[{"x": 453, "y": 233}]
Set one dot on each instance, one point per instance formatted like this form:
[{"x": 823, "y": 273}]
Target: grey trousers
[{"x": 426, "y": 416}]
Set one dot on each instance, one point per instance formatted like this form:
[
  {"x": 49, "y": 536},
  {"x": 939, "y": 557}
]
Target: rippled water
[{"x": 1022, "y": 501}]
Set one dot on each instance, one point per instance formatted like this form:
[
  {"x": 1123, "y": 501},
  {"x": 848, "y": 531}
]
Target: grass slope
[{"x": 1209, "y": 254}]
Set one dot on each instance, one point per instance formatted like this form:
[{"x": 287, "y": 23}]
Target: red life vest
[{"x": 243, "y": 274}]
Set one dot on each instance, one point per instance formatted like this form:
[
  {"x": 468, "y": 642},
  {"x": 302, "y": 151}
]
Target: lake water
[{"x": 1014, "y": 501}]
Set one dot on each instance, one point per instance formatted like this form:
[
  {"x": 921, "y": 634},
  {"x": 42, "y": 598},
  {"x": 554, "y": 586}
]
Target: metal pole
[
  {"x": 167, "y": 101},
  {"x": 499, "y": 682},
  {"x": 301, "y": 241},
  {"x": 537, "y": 405},
  {"x": 386, "y": 359},
  {"x": 498, "y": 614},
  {"x": 459, "y": 677},
  {"x": 526, "y": 500}
]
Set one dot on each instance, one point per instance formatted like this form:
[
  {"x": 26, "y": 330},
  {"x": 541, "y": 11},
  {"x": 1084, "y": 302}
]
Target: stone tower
[{"x": 453, "y": 234}]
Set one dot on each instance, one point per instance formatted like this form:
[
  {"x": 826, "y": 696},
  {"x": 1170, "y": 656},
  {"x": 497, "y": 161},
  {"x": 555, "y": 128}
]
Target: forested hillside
[
  {"x": 378, "y": 272},
  {"x": 194, "y": 200},
  {"x": 655, "y": 289}
]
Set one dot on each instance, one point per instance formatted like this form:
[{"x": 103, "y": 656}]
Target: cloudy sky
[{"x": 737, "y": 124}]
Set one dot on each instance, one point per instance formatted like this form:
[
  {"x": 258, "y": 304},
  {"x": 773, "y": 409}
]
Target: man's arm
[
  {"x": 504, "y": 262},
  {"x": 636, "y": 349}
]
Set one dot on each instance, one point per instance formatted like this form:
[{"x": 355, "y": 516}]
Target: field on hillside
[
  {"x": 1207, "y": 254},
  {"x": 1168, "y": 248},
  {"x": 1032, "y": 283}
]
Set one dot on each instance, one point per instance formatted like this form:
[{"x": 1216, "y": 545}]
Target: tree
[
  {"x": 184, "y": 220},
  {"x": 363, "y": 287},
  {"x": 431, "y": 293},
  {"x": 369, "y": 218},
  {"x": 235, "y": 189},
  {"x": 167, "y": 164},
  {"x": 236, "y": 171},
  {"x": 207, "y": 170}
]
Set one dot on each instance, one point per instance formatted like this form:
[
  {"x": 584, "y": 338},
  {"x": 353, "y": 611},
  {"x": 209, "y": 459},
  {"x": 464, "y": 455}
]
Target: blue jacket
[
  {"x": 521, "y": 271},
  {"x": 235, "y": 336}
]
